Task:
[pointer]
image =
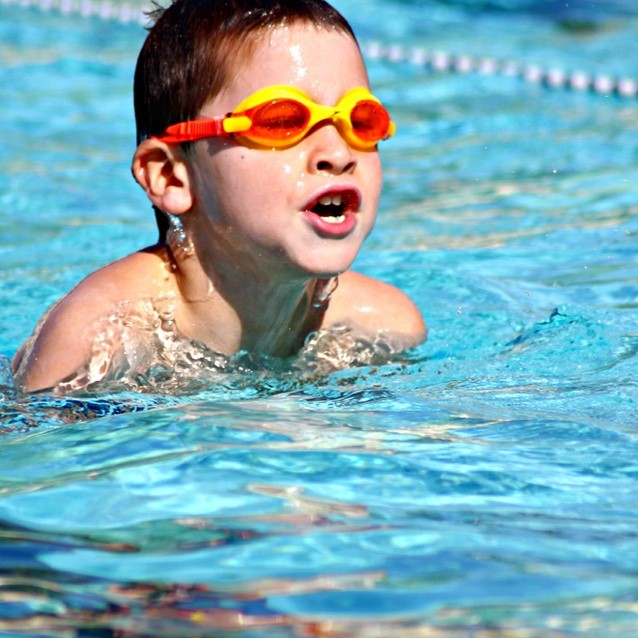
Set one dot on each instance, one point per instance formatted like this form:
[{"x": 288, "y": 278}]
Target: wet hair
[{"x": 193, "y": 49}]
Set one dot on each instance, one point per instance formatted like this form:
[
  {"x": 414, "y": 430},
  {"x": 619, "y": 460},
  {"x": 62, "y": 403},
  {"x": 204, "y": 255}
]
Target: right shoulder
[{"x": 63, "y": 340}]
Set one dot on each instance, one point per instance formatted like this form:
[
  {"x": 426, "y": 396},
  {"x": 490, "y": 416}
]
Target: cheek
[
  {"x": 271, "y": 180},
  {"x": 373, "y": 177},
  {"x": 257, "y": 171},
  {"x": 226, "y": 179},
  {"x": 244, "y": 188}
]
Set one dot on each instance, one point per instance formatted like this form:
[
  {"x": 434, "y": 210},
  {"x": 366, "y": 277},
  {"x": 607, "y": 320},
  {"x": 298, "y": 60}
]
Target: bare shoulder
[
  {"x": 376, "y": 306},
  {"x": 138, "y": 275},
  {"x": 64, "y": 337}
]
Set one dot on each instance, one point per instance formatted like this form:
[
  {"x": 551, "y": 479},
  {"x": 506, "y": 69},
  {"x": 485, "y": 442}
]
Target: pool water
[{"x": 483, "y": 484}]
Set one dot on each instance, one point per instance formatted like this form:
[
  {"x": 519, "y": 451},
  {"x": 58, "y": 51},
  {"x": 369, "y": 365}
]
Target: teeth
[
  {"x": 328, "y": 200},
  {"x": 334, "y": 220}
]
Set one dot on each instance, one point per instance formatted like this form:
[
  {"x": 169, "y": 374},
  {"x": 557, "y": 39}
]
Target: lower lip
[{"x": 328, "y": 229}]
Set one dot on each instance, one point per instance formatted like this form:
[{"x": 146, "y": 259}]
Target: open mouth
[{"x": 333, "y": 207}]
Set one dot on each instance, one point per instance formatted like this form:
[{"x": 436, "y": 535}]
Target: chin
[{"x": 326, "y": 263}]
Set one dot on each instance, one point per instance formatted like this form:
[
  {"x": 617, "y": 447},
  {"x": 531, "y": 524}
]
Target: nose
[{"x": 329, "y": 152}]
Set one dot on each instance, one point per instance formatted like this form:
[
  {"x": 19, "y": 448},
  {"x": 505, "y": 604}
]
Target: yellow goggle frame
[{"x": 281, "y": 116}]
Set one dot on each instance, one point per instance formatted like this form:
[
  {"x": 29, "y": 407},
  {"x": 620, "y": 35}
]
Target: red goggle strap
[{"x": 193, "y": 130}]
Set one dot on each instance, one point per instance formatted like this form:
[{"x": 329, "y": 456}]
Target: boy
[{"x": 263, "y": 198}]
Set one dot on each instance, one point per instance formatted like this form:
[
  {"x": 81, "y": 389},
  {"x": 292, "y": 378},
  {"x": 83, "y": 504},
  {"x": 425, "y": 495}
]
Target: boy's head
[{"x": 195, "y": 47}]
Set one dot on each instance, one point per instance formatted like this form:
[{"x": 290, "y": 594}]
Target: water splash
[{"x": 138, "y": 352}]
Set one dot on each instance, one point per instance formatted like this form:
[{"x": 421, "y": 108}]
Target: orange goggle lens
[
  {"x": 279, "y": 120},
  {"x": 370, "y": 121}
]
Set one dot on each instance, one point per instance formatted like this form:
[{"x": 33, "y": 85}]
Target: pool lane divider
[
  {"x": 553, "y": 78},
  {"x": 435, "y": 61},
  {"x": 101, "y": 9}
]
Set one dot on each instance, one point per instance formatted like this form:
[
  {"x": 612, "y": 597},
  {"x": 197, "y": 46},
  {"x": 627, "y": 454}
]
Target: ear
[{"x": 161, "y": 170}]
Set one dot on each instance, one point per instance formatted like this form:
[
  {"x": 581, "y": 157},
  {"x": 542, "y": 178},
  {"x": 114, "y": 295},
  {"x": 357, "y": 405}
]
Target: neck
[
  {"x": 229, "y": 309},
  {"x": 274, "y": 317}
]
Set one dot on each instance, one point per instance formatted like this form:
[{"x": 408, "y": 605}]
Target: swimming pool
[{"x": 485, "y": 484}]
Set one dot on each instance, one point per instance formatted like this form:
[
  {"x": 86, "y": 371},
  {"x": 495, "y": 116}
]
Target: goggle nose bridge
[{"x": 338, "y": 115}]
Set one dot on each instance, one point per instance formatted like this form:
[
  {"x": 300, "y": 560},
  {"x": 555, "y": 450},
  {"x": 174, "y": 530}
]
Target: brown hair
[{"x": 193, "y": 48}]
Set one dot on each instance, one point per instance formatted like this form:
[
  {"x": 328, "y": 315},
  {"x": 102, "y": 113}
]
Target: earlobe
[{"x": 161, "y": 171}]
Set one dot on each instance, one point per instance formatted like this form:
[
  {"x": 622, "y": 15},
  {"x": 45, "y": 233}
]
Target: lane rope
[
  {"x": 102, "y": 9},
  {"x": 554, "y": 78},
  {"x": 436, "y": 61}
]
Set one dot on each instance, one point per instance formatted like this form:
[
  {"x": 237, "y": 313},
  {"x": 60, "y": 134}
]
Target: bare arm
[
  {"x": 65, "y": 340},
  {"x": 60, "y": 346}
]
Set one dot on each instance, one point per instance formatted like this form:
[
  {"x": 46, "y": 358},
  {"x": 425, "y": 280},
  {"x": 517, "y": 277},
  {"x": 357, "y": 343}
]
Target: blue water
[{"x": 484, "y": 484}]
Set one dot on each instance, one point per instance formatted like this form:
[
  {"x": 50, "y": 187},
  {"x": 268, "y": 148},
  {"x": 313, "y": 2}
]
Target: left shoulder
[{"x": 376, "y": 306}]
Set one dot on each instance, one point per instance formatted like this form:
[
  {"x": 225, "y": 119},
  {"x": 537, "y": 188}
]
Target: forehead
[{"x": 322, "y": 61}]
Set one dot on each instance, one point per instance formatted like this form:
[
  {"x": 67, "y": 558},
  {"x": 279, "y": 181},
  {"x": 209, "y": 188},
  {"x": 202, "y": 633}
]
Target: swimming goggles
[{"x": 281, "y": 116}]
